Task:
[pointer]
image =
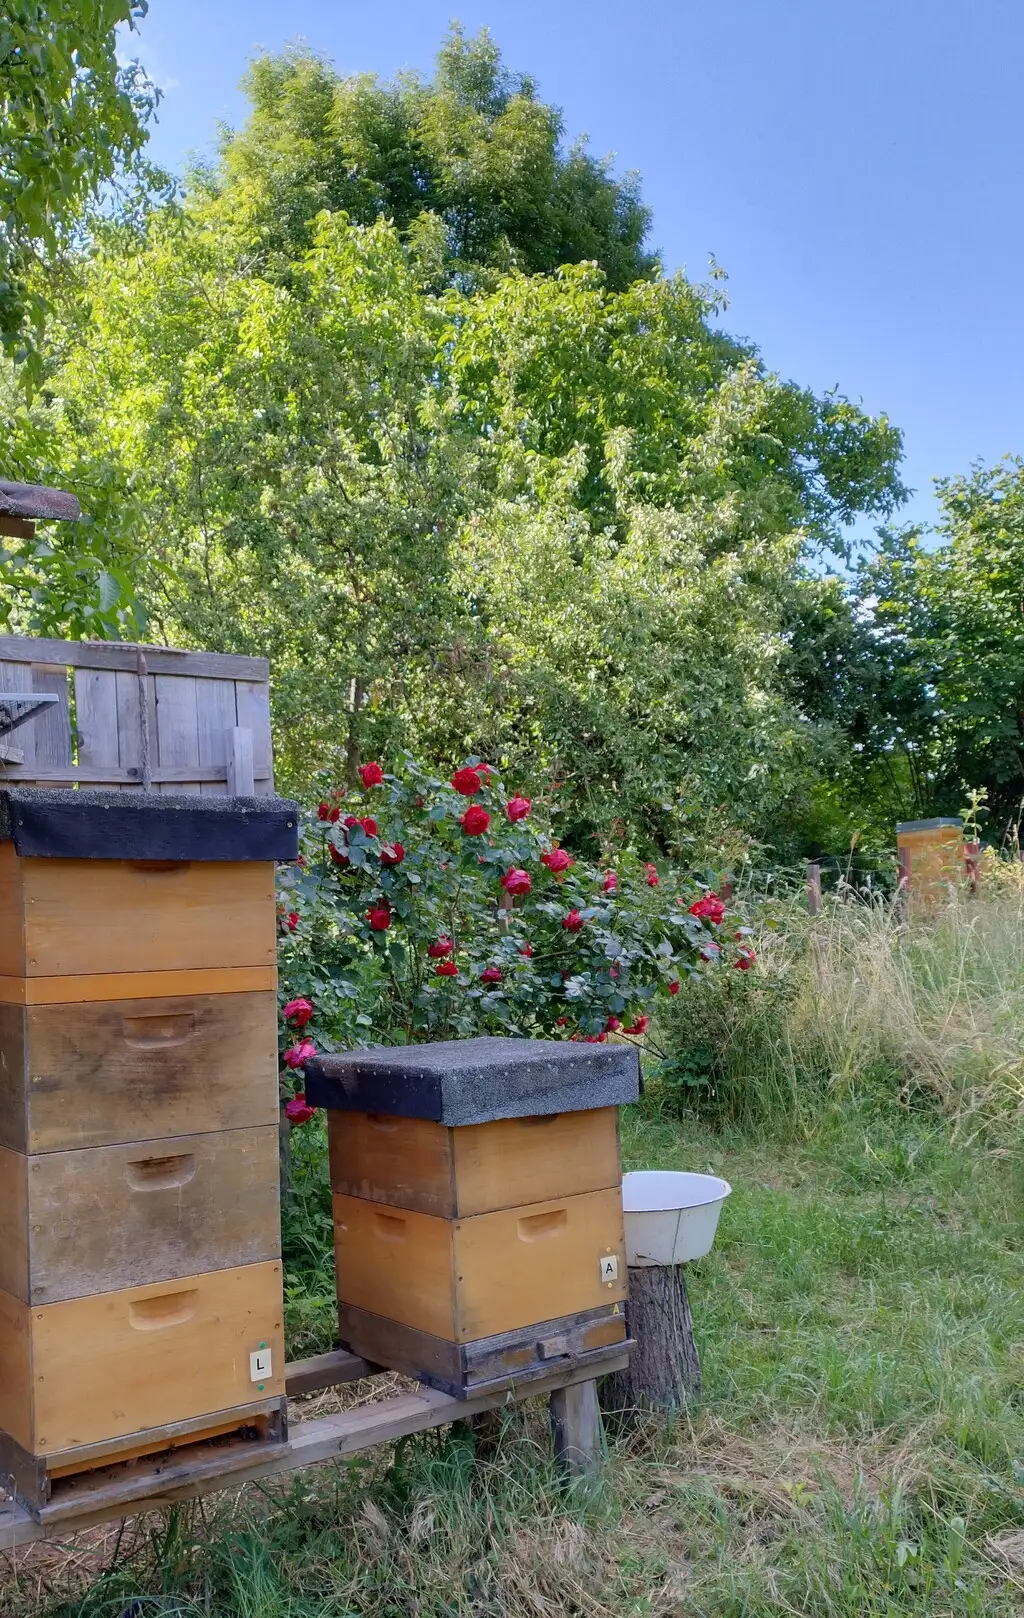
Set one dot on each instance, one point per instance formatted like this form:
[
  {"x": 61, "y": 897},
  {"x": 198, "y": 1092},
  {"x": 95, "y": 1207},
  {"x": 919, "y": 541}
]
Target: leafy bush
[{"x": 426, "y": 909}]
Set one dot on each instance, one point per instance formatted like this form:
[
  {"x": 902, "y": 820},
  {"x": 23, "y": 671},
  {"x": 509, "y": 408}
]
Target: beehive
[
  {"x": 931, "y": 857},
  {"x": 140, "y": 1273},
  {"x": 477, "y": 1204}
]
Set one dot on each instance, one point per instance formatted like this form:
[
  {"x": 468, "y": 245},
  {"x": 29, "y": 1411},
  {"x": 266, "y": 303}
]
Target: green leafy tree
[
  {"x": 71, "y": 119},
  {"x": 471, "y": 166}
]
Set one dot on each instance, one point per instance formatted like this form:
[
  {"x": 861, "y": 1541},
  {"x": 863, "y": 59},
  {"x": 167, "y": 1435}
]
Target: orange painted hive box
[
  {"x": 140, "y": 1271},
  {"x": 478, "y": 1205}
]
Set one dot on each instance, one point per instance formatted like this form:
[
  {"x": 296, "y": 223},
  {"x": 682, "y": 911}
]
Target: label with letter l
[
  {"x": 609, "y": 1268},
  {"x": 261, "y": 1364}
]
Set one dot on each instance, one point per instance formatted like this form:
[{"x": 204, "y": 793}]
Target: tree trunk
[{"x": 664, "y": 1368}]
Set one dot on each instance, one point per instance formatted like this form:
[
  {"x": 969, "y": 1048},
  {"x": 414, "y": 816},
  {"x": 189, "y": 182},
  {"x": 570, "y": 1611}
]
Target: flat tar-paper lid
[
  {"x": 93, "y": 824},
  {"x": 474, "y": 1081}
]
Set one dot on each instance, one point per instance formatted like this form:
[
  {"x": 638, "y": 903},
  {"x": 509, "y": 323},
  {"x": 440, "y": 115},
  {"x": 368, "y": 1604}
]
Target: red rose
[
  {"x": 709, "y": 952},
  {"x": 491, "y": 974},
  {"x": 298, "y": 1011},
  {"x": 323, "y": 811},
  {"x": 334, "y": 815},
  {"x": 596, "y": 1039},
  {"x": 573, "y": 921},
  {"x": 612, "y": 1026},
  {"x": 651, "y": 876},
  {"x": 443, "y": 947},
  {"x": 466, "y": 781},
  {"x": 420, "y": 802},
  {"x": 446, "y": 969},
  {"x": 673, "y": 987},
  {"x": 352, "y": 820},
  {"x": 379, "y": 917},
  {"x": 371, "y": 775},
  {"x": 369, "y": 826},
  {"x": 637, "y": 1027},
  {"x": 517, "y": 809},
  {"x": 560, "y": 1022},
  {"x": 298, "y": 1110},
  {"x": 708, "y": 908},
  {"x": 298, "y": 1054},
  {"x": 338, "y": 855},
  {"x": 526, "y": 949},
  {"x": 292, "y": 920},
  {"x": 611, "y": 882},
  {"x": 516, "y": 881},
  {"x": 556, "y": 859},
  {"x": 475, "y": 821},
  {"x": 392, "y": 854},
  {"x": 745, "y": 960}
]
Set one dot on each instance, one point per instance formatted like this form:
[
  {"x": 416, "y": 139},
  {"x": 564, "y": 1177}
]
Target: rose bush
[{"x": 428, "y": 919}]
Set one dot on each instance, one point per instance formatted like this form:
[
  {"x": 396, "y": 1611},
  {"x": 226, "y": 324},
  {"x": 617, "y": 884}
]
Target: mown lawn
[{"x": 859, "y": 1448}]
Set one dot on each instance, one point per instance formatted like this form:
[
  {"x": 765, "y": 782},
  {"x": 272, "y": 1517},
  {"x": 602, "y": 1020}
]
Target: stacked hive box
[
  {"x": 140, "y": 1276},
  {"x": 477, "y": 1205},
  {"x": 931, "y": 857}
]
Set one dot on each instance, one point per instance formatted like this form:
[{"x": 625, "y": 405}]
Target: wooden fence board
[
  {"x": 216, "y": 714},
  {"x": 96, "y": 719},
  {"x": 206, "y": 712}
]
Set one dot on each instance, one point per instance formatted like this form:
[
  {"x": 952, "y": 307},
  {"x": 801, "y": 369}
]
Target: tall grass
[{"x": 863, "y": 997}]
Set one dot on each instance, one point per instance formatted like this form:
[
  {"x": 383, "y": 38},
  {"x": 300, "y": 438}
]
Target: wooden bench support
[
  {"x": 204, "y": 1468},
  {"x": 576, "y": 1428}
]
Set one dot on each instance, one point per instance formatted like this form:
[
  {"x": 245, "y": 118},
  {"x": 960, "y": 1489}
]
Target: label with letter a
[{"x": 609, "y": 1268}]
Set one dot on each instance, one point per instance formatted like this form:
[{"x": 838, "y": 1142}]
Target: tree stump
[{"x": 664, "y": 1367}]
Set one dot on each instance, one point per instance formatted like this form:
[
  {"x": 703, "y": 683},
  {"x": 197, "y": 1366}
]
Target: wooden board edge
[
  {"x": 310, "y": 1444},
  {"x": 158, "y": 985},
  {"x": 124, "y": 656}
]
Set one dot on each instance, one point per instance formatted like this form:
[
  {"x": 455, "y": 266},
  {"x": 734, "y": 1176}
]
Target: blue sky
[{"x": 857, "y": 169}]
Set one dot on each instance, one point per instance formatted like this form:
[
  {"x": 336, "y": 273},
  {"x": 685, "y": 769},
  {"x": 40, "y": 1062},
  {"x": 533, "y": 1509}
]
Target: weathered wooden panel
[
  {"x": 122, "y": 655},
  {"x": 111, "y": 1217},
  {"x": 15, "y": 1370},
  {"x": 192, "y": 699},
  {"x": 475, "y": 1277},
  {"x": 215, "y": 716},
  {"x": 479, "y": 1168},
  {"x": 96, "y": 719},
  {"x": 97, "y": 916},
  {"x": 518, "y": 1160},
  {"x": 14, "y": 1234},
  {"x": 120, "y": 1363},
  {"x": 121, "y": 1070},
  {"x": 51, "y": 991},
  {"x": 52, "y": 727},
  {"x": 12, "y": 914},
  {"x": 538, "y": 1262},
  {"x": 396, "y": 1263},
  {"x": 403, "y": 1161},
  {"x": 177, "y": 726}
]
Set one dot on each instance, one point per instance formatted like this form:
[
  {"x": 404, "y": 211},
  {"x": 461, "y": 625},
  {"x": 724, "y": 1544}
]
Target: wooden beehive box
[
  {"x": 140, "y": 1274},
  {"x": 931, "y": 857},
  {"x": 477, "y": 1204}
]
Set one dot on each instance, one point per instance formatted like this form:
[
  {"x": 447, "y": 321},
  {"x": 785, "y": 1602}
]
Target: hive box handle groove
[
  {"x": 535, "y": 1227},
  {"x": 173, "y": 1309},
  {"x": 389, "y": 1227},
  {"x": 160, "y": 1173},
  {"x": 175, "y": 1028}
]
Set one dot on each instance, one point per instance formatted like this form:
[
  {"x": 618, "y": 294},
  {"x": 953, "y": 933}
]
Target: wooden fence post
[{"x": 814, "y": 888}]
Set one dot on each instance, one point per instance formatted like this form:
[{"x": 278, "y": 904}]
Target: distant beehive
[
  {"x": 477, "y": 1205},
  {"x": 931, "y": 857}
]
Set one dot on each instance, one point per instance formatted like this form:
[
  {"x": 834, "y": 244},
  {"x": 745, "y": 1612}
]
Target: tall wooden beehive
[
  {"x": 140, "y": 1272},
  {"x": 477, "y": 1205},
  {"x": 931, "y": 857}
]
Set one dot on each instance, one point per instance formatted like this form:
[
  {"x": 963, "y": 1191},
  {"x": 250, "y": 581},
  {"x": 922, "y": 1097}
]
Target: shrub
[{"x": 428, "y": 909}]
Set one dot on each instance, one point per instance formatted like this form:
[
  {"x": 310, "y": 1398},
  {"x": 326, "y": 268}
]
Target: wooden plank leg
[{"x": 576, "y": 1426}]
